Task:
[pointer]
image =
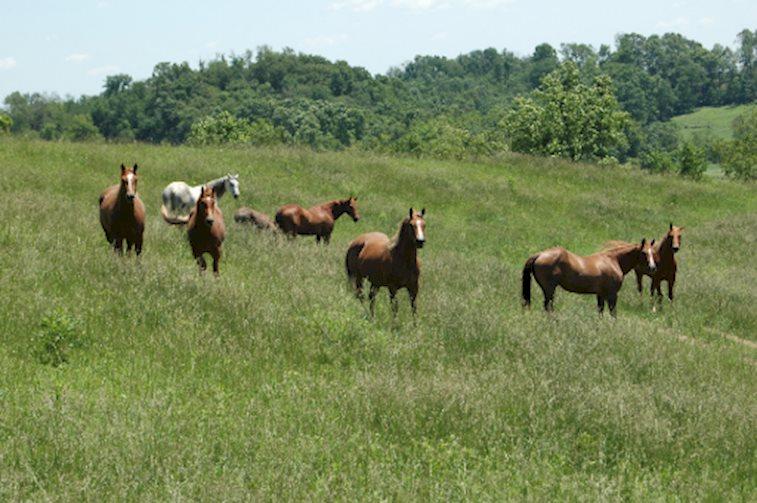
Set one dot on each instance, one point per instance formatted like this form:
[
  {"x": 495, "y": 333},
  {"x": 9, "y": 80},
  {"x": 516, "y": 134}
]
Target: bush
[
  {"x": 6, "y": 123},
  {"x": 739, "y": 156},
  {"x": 57, "y": 335},
  {"x": 224, "y": 128},
  {"x": 441, "y": 140},
  {"x": 658, "y": 161},
  {"x": 692, "y": 161}
]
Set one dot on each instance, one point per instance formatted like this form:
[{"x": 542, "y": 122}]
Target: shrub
[
  {"x": 5, "y": 124},
  {"x": 692, "y": 161},
  {"x": 739, "y": 156},
  {"x": 658, "y": 161},
  {"x": 57, "y": 335}
]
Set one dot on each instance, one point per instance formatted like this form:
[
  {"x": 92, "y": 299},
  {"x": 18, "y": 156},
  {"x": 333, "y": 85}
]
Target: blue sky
[{"x": 69, "y": 47}]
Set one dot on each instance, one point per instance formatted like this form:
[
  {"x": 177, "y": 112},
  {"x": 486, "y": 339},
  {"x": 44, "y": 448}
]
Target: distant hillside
[{"x": 711, "y": 121}]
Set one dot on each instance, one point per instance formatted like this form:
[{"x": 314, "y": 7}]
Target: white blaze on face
[
  {"x": 419, "y": 231},
  {"x": 650, "y": 258},
  {"x": 130, "y": 183}
]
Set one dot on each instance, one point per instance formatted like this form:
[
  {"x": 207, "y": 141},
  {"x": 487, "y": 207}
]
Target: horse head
[
  {"x": 129, "y": 181},
  {"x": 349, "y": 206},
  {"x": 415, "y": 226},
  {"x": 206, "y": 205},
  {"x": 646, "y": 255},
  {"x": 674, "y": 235},
  {"x": 232, "y": 182}
]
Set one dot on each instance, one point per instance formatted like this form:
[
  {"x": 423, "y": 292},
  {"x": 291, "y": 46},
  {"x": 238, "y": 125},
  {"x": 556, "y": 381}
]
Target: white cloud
[
  {"x": 78, "y": 57},
  {"x": 417, "y": 5},
  {"x": 706, "y": 21},
  {"x": 356, "y": 5},
  {"x": 102, "y": 70},
  {"x": 321, "y": 41},
  {"x": 7, "y": 63},
  {"x": 673, "y": 23},
  {"x": 420, "y": 4}
]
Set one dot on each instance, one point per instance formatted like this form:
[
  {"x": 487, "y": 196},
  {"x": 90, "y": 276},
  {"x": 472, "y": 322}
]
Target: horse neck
[
  {"x": 334, "y": 209},
  {"x": 403, "y": 247},
  {"x": 219, "y": 186},
  {"x": 626, "y": 258},
  {"x": 665, "y": 248}
]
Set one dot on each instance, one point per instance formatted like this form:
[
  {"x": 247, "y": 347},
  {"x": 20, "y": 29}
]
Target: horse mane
[
  {"x": 395, "y": 240},
  {"x": 616, "y": 245}
]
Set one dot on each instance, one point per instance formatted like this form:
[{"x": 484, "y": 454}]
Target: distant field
[
  {"x": 710, "y": 121},
  {"x": 270, "y": 383}
]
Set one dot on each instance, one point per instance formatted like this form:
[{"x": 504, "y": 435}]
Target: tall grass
[{"x": 271, "y": 383}]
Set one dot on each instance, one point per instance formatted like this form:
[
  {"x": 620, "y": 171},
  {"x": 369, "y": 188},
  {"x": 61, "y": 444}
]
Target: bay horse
[
  {"x": 179, "y": 198},
  {"x": 665, "y": 252},
  {"x": 317, "y": 221},
  {"x": 392, "y": 263},
  {"x": 600, "y": 274},
  {"x": 122, "y": 213},
  {"x": 256, "y": 218},
  {"x": 205, "y": 229}
]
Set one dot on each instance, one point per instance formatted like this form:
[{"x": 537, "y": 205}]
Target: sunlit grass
[{"x": 270, "y": 382}]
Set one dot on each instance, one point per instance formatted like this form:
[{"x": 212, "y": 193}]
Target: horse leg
[
  {"x": 372, "y": 299},
  {"x": 549, "y": 297},
  {"x": 357, "y": 284},
  {"x": 639, "y": 284},
  {"x": 612, "y": 300},
  {"x": 129, "y": 244},
  {"x": 393, "y": 302},
  {"x": 656, "y": 294},
  {"x": 216, "y": 262},
  {"x": 317, "y": 238},
  {"x": 118, "y": 246},
  {"x": 138, "y": 245},
  {"x": 600, "y": 304},
  {"x": 671, "y": 282},
  {"x": 201, "y": 262},
  {"x": 327, "y": 238},
  {"x": 412, "y": 291}
]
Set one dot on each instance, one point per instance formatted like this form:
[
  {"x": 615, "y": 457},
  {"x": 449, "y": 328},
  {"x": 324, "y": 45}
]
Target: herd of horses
[{"x": 383, "y": 261}]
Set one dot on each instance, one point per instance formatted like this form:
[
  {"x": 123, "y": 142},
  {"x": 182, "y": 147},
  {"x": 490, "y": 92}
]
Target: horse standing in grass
[
  {"x": 665, "y": 252},
  {"x": 317, "y": 221},
  {"x": 256, "y": 218},
  {"x": 600, "y": 274},
  {"x": 205, "y": 229},
  {"x": 122, "y": 213},
  {"x": 392, "y": 263},
  {"x": 179, "y": 198}
]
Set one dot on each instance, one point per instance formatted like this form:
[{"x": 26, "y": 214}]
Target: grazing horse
[
  {"x": 600, "y": 274},
  {"x": 317, "y": 221},
  {"x": 205, "y": 229},
  {"x": 665, "y": 251},
  {"x": 122, "y": 213},
  {"x": 256, "y": 218},
  {"x": 392, "y": 263},
  {"x": 179, "y": 198}
]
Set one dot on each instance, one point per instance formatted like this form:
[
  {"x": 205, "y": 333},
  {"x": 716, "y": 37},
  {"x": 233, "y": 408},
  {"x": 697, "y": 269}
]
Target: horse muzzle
[
  {"x": 210, "y": 221},
  {"x": 420, "y": 242},
  {"x": 676, "y": 249},
  {"x": 130, "y": 197},
  {"x": 236, "y": 196}
]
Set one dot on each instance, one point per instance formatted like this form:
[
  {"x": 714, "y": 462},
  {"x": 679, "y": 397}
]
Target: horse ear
[
  {"x": 681, "y": 228},
  {"x": 410, "y": 213},
  {"x": 123, "y": 168},
  {"x": 423, "y": 211},
  {"x": 643, "y": 242},
  {"x": 652, "y": 243},
  {"x": 671, "y": 226},
  {"x": 134, "y": 169}
]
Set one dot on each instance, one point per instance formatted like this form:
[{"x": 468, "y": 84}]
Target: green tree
[
  {"x": 692, "y": 160},
  {"x": 567, "y": 118},
  {"x": 739, "y": 156},
  {"x": 6, "y": 123}
]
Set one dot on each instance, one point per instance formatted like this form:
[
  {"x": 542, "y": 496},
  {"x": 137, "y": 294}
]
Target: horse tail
[
  {"x": 528, "y": 270},
  {"x": 170, "y": 219}
]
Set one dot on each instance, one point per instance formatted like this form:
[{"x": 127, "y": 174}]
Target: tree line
[{"x": 476, "y": 103}]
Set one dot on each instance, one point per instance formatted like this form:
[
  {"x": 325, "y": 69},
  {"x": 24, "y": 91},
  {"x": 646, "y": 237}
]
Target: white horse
[{"x": 180, "y": 198}]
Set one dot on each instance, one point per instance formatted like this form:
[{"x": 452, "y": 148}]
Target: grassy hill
[
  {"x": 270, "y": 382},
  {"x": 712, "y": 122}
]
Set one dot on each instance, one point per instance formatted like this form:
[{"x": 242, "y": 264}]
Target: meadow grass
[
  {"x": 711, "y": 122},
  {"x": 270, "y": 383}
]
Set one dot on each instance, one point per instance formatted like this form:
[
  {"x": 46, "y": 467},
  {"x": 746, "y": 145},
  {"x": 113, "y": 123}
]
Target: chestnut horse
[
  {"x": 256, "y": 218},
  {"x": 600, "y": 274},
  {"x": 205, "y": 228},
  {"x": 665, "y": 251},
  {"x": 317, "y": 221},
  {"x": 122, "y": 213},
  {"x": 392, "y": 263}
]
